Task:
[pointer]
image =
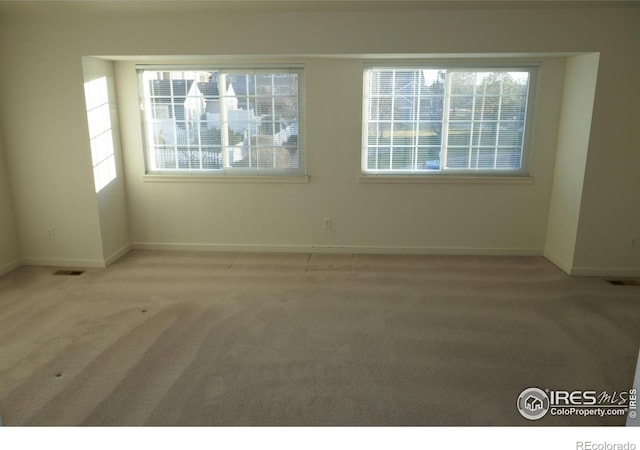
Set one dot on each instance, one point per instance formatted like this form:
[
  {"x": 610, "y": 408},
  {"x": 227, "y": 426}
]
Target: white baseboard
[
  {"x": 605, "y": 272},
  {"x": 577, "y": 271},
  {"x": 362, "y": 249},
  {"x": 56, "y": 262},
  {"x": 78, "y": 263},
  {"x": 8, "y": 267},
  {"x": 336, "y": 249},
  {"x": 558, "y": 262},
  {"x": 117, "y": 255}
]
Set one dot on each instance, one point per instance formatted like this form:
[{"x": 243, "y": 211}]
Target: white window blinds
[
  {"x": 231, "y": 121},
  {"x": 445, "y": 120}
]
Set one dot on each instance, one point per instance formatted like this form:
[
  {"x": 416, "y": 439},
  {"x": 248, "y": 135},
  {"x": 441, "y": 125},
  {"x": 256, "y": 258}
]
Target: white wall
[
  {"x": 9, "y": 256},
  {"x": 610, "y": 212},
  {"x": 49, "y": 156},
  {"x": 112, "y": 201},
  {"x": 47, "y": 143},
  {"x": 459, "y": 218},
  {"x": 571, "y": 159}
]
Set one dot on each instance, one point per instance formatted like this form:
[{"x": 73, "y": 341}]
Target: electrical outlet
[
  {"x": 634, "y": 242},
  {"x": 326, "y": 223},
  {"x": 51, "y": 233}
]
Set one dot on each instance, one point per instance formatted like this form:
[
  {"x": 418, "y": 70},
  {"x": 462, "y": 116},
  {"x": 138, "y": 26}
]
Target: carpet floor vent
[
  {"x": 624, "y": 282},
  {"x": 69, "y": 272}
]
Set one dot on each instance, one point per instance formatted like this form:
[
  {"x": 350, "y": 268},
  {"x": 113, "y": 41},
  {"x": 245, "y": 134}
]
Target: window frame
[
  {"x": 226, "y": 173},
  {"x": 451, "y": 174}
]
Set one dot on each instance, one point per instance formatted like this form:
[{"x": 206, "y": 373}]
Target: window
[
  {"x": 225, "y": 122},
  {"x": 431, "y": 120},
  {"x": 100, "y": 134}
]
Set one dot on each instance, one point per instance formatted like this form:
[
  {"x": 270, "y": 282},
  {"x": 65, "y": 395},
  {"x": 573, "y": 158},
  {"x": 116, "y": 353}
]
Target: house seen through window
[
  {"x": 223, "y": 121},
  {"x": 446, "y": 120}
]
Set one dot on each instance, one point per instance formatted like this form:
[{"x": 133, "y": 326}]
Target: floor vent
[
  {"x": 624, "y": 282},
  {"x": 69, "y": 272}
]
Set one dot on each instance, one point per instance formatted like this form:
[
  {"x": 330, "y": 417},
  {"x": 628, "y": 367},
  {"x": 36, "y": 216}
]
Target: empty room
[{"x": 319, "y": 213}]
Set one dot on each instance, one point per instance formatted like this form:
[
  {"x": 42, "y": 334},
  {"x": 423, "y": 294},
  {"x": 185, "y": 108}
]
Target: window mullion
[
  {"x": 445, "y": 121},
  {"x": 481, "y": 127},
  {"x": 393, "y": 110},
  {"x": 175, "y": 124},
  {"x": 525, "y": 121},
  {"x": 224, "y": 121},
  {"x": 255, "y": 97},
  {"x": 249, "y": 95},
  {"x": 416, "y": 141},
  {"x": 273, "y": 122},
  {"x": 187, "y": 118},
  {"x": 378, "y": 124},
  {"x": 199, "y": 128},
  {"x": 498, "y": 120},
  {"x": 472, "y": 123}
]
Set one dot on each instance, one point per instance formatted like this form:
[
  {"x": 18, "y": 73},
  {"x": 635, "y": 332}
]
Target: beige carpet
[{"x": 172, "y": 338}]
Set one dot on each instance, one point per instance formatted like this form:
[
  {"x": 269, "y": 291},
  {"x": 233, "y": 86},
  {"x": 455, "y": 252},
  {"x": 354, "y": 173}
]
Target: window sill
[
  {"x": 443, "y": 179},
  {"x": 296, "y": 179}
]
